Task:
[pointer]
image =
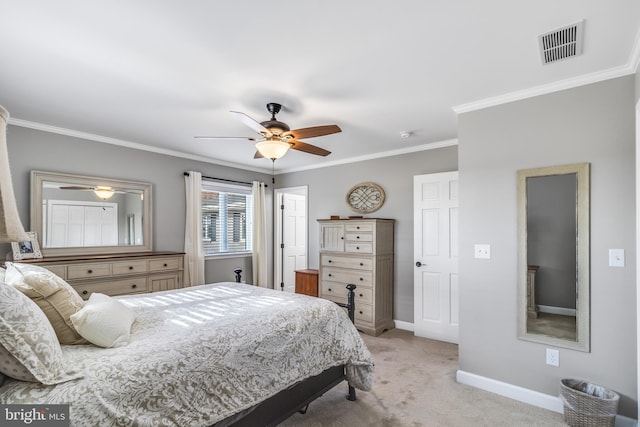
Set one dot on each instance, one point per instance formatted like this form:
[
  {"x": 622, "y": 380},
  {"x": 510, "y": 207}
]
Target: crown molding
[
  {"x": 416, "y": 148},
  {"x": 129, "y": 144},
  {"x": 544, "y": 89},
  {"x": 630, "y": 67}
]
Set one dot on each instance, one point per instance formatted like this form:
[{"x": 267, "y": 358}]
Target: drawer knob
[
  {"x": 360, "y": 312},
  {"x": 84, "y": 292},
  {"x": 134, "y": 286},
  {"x": 89, "y": 271},
  {"x": 361, "y": 295},
  {"x": 131, "y": 267},
  {"x": 341, "y": 238},
  {"x": 361, "y": 264},
  {"x": 357, "y": 237},
  {"x": 329, "y": 289},
  {"x": 358, "y": 247},
  {"x": 361, "y": 279},
  {"x": 330, "y": 261},
  {"x": 330, "y": 275},
  {"x": 165, "y": 264},
  {"x": 358, "y": 228}
]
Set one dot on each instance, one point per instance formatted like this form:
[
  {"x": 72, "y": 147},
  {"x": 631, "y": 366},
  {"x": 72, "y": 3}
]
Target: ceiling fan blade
[
  {"x": 258, "y": 155},
  {"x": 226, "y": 137},
  {"x": 314, "y": 131},
  {"x": 75, "y": 187},
  {"x": 252, "y": 123},
  {"x": 308, "y": 148}
]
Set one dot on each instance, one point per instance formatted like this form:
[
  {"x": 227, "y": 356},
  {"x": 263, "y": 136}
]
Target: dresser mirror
[
  {"x": 553, "y": 256},
  {"x": 84, "y": 215}
]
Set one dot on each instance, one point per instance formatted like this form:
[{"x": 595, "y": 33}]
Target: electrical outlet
[
  {"x": 482, "y": 251},
  {"x": 553, "y": 357}
]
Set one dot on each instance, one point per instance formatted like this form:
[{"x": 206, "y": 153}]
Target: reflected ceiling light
[
  {"x": 273, "y": 148},
  {"x": 104, "y": 193}
]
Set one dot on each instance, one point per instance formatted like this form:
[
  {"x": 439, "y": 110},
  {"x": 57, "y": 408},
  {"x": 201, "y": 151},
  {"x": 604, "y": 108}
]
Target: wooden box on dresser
[
  {"x": 359, "y": 251},
  {"x": 117, "y": 274}
]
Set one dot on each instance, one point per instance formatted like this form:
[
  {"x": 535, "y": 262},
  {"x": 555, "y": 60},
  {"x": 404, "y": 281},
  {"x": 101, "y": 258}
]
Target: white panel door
[
  {"x": 435, "y": 205},
  {"x": 294, "y": 239}
]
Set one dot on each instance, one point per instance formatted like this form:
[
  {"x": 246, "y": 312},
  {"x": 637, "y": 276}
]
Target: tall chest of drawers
[
  {"x": 359, "y": 252},
  {"x": 118, "y": 274}
]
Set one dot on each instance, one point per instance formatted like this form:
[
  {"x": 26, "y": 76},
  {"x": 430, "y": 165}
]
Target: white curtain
[
  {"x": 11, "y": 229},
  {"x": 194, "y": 253},
  {"x": 260, "y": 255}
]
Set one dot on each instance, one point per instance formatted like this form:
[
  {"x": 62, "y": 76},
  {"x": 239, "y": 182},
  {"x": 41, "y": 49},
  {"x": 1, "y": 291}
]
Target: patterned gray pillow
[{"x": 27, "y": 335}]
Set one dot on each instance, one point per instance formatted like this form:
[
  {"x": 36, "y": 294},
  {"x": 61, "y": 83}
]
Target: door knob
[{"x": 419, "y": 264}]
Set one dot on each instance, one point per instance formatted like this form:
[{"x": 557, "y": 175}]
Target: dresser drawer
[
  {"x": 359, "y": 237},
  {"x": 358, "y": 226},
  {"x": 357, "y": 247},
  {"x": 346, "y": 262},
  {"x": 58, "y": 270},
  {"x": 129, "y": 267},
  {"x": 333, "y": 291},
  {"x": 163, "y": 264},
  {"x": 364, "y": 312},
  {"x": 363, "y": 296},
  {"x": 358, "y": 278},
  {"x": 87, "y": 271},
  {"x": 115, "y": 287}
]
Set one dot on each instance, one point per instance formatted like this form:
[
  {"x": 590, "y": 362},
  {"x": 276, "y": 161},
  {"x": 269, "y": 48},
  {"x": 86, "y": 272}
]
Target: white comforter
[{"x": 199, "y": 355}]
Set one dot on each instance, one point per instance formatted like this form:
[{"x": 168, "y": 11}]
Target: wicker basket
[{"x": 582, "y": 409}]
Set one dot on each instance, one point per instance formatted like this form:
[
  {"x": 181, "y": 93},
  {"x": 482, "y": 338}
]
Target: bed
[{"x": 211, "y": 355}]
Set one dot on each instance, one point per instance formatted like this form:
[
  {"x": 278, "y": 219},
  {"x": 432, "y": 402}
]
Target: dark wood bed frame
[{"x": 297, "y": 398}]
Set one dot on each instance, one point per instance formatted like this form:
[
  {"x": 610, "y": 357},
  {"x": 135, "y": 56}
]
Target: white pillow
[
  {"x": 2, "y": 273},
  {"x": 28, "y": 337},
  {"x": 104, "y": 321}
]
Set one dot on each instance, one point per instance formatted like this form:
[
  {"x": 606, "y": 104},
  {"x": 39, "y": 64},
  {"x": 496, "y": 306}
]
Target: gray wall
[
  {"x": 326, "y": 197},
  {"x": 32, "y": 149},
  {"x": 593, "y": 123}
]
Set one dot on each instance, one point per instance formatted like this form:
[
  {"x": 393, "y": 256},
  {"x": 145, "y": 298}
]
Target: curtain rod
[{"x": 225, "y": 180}]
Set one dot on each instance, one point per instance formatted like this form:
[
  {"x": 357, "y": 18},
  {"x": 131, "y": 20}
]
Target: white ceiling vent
[{"x": 562, "y": 43}]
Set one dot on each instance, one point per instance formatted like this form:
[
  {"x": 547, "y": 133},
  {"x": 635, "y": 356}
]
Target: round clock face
[{"x": 365, "y": 197}]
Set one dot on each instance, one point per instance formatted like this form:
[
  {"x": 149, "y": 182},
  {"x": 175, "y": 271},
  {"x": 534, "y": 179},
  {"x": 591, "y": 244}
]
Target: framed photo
[{"x": 27, "y": 249}]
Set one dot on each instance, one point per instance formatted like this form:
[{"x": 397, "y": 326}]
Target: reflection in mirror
[
  {"x": 553, "y": 245},
  {"x": 88, "y": 215}
]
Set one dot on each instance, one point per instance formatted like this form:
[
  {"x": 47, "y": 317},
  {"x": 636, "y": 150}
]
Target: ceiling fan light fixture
[
  {"x": 273, "y": 148},
  {"x": 104, "y": 193}
]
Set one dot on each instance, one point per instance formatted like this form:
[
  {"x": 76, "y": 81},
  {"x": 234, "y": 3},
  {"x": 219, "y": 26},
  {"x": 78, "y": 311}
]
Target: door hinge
[
  {"x": 281, "y": 245},
  {"x": 282, "y": 207}
]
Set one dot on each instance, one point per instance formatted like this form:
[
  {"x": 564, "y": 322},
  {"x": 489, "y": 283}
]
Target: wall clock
[{"x": 365, "y": 197}]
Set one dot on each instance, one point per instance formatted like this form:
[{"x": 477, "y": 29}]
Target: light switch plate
[
  {"x": 616, "y": 257},
  {"x": 482, "y": 251}
]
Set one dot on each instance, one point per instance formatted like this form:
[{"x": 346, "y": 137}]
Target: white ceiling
[{"x": 155, "y": 73}]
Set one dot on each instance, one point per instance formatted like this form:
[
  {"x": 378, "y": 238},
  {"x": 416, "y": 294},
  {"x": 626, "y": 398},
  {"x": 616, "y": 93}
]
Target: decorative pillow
[
  {"x": 2, "y": 271},
  {"x": 57, "y": 299},
  {"x": 104, "y": 321},
  {"x": 13, "y": 368},
  {"x": 27, "y": 335}
]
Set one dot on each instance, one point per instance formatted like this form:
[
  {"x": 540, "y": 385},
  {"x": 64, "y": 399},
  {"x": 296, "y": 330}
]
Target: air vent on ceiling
[{"x": 563, "y": 43}]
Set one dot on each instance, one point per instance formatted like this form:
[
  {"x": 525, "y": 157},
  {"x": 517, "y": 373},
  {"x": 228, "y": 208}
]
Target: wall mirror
[
  {"x": 84, "y": 215},
  {"x": 553, "y": 256}
]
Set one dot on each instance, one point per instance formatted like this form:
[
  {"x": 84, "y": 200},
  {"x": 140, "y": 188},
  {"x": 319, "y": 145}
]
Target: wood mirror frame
[
  {"x": 38, "y": 180},
  {"x": 527, "y": 306}
]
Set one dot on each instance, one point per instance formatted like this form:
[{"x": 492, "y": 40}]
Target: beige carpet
[{"x": 415, "y": 386}]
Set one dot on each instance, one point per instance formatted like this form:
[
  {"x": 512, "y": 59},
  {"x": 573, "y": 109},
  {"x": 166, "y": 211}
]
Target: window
[{"x": 226, "y": 218}]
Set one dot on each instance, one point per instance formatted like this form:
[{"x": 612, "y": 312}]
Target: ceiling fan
[
  {"x": 276, "y": 138},
  {"x": 101, "y": 191}
]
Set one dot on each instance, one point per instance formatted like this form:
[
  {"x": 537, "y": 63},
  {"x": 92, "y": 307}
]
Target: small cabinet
[{"x": 307, "y": 282}]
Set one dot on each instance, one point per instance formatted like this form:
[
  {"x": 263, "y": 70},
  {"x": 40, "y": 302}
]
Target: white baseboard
[
  {"x": 406, "y": 326},
  {"x": 531, "y": 397}
]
